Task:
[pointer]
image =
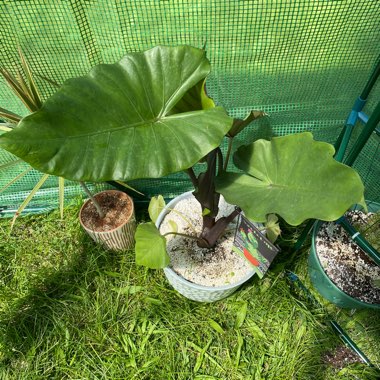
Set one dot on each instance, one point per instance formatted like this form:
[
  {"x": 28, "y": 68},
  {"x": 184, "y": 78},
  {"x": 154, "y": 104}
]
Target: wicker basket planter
[{"x": 117, "y": 238}]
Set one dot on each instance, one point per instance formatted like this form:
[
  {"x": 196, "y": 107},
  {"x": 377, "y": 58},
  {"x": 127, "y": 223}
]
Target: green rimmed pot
[{"x": 324, "y": 285}]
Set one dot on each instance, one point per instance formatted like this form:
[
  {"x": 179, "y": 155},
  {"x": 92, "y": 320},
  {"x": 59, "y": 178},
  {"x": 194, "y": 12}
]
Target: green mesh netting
[{"x": 302, "y": 61}]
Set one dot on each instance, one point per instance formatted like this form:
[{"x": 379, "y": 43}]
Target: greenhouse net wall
[{"x": 304, "y": 62}]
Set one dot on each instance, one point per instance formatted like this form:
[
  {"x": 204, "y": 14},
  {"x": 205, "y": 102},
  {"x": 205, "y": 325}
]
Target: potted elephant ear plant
[
  {"x": 124, "y": 121},
  {"x": 276, "y": 177},
  {"x": 148, "y": 116}
]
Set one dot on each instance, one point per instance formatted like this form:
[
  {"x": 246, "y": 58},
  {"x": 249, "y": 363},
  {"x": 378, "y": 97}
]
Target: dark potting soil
[
  {"x": 117, "y": 208},
  {"x": 345, "y": 263},
  {"x": 341, "y": 357}
]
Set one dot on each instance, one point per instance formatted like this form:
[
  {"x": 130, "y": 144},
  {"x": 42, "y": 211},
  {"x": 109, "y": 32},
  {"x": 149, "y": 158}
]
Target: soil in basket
[
  {"x": 345, "y": 263},
  {"x": 117, "y": 208},
  {"x": 208, "y": 267}
]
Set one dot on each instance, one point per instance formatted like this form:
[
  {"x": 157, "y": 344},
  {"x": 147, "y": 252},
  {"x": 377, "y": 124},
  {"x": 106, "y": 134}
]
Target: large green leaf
[
  {"x": 293, "y": 176},
  {"x": 150, "y": 247},
  {"x": 117, "y": 122}
]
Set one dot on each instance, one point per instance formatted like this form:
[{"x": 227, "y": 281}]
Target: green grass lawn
[{"x": 71, "y": 310}]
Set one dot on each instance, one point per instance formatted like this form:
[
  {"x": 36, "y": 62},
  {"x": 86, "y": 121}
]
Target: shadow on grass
[
  {"x": 79, "y": 303},
  {"x": 30, "y": 320}
]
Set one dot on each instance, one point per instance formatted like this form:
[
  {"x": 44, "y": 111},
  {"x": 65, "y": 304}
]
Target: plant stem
[
  {"x": 192, "y": 176},
  {"x": 96, "y": 204},
  {"x": 205, "y": 191},
  {"x": 212, "y": 234},
  {"x": 220, "y": 160},
  {"x": 183, "y": 217},
  {"x": 184, "y": 235},
  {"x": 229, "y": 149}
]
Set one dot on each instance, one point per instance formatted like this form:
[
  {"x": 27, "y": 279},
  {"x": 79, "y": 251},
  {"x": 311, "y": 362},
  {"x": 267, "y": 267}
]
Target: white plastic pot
[
  {"x": 120, "y": 238},
  {"x": 188, "y": 289}
]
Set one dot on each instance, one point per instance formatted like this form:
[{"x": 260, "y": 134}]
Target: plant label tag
[{"x": 252, "y": 245}]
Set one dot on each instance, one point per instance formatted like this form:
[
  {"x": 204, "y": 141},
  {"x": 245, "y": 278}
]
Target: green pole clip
[
  {"x": 344, "y": 138},
  {"x": 359, "y": 104},
  {"x": 363, "y": 117},
  {"x": 354, "y": 114},
  {"x": 366, "y": 133}
]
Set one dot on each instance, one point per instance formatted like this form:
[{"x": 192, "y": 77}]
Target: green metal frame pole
[
  {"x": 304, "y": 234},
  {"x": 360, "y": 240},
  {"x": 356, "y": 112},
  {"x": 338, "y": 330},
  {"x": 371, "y": 81},
  {"x": 344, "y": 137},
  {"x": 364, "y": 136}
]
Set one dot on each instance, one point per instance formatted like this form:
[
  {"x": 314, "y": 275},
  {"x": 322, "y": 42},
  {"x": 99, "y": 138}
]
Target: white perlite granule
[{"x": 209, "y": 267}]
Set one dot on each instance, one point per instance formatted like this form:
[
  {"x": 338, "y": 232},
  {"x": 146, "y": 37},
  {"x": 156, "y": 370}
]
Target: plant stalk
[
  {"x": 185, "y": 235},
  {"x": 95, "y": 202},
  {"x": 228, "y": 154},
  {"x": 220, "y": 160},
  {"x": 206, "y": 195},
  {"x": 193, "y": 177},
  {"x": 211, "y": 235}
]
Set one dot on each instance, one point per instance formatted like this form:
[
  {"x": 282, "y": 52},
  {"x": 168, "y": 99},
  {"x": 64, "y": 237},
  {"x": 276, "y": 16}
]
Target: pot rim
[
  {"x": 159, "y": 220},
  {"x": 113, "y": 229}
]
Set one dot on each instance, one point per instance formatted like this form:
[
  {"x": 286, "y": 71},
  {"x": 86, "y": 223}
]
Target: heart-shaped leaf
[
  {"x": 150, "y": 247},
  {"x": 173, "y": 226},
  {"x": 293, "y": 176},
  {"x": 272, "y": 228},
  {"x": 156, "y": 205},
  {"x": 121, "y": 121}
]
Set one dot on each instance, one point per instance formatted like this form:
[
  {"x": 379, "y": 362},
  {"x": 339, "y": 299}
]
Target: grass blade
[
  {"x": 255, "y": 330},
  {"x": 201, "y": 354},
  {"x": 10, "y": 164},
  {"x": 151, "y": 329},
  {"x": 215, "y": 325},
  {"x": 61, "y": 191},
  {"x": 32, "y": 85},
  {"x": 9, "y": 115},
  {"x": 25, "y": 95},
  {"x": 5, "y": 127},
  {"x": 240, "y": 341},
  {"x": 29, "y": 198},
  {"x": 129, "y": 187},
  {"x": 11, "y": 81},
  {"x": 241, "y": 314},
  {"x": 20, "y": 88},
  {"x": 15, "y": 179},
  {"x": 55, "y": 84}
]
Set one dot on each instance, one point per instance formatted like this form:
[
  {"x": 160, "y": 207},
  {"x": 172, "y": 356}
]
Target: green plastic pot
[{"x": 322, "y": 282}]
